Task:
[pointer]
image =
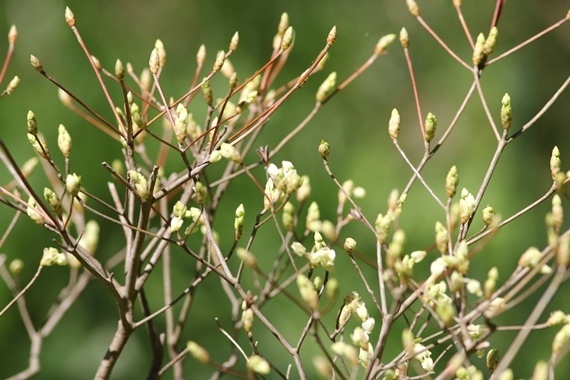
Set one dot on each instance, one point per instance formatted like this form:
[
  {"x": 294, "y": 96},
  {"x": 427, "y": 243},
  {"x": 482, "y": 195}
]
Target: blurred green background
[{"x": 354, "y": 123}]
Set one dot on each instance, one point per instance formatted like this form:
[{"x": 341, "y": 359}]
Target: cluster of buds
[
  {"x": 285, "y": 178},
  {"x": 181, "y": 212},
  {"x": 531, "y": 258},
  {"x": 405, "y": 268},
  {"x": 52, "y": 256},
  {"x": 382, "y": 226},
  {"x": 423, "y": 355},
  {"x": 308, "y": 291},
  {"x": 320, "y": 255},
  {"x": 484, "y": 47},
  {"x": 354, "y": 306}
]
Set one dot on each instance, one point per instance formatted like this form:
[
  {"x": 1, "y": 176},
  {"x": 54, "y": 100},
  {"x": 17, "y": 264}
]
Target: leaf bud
[
  {"x": 32, "y": 123},
  {"x": 141, "y": 184},
  {"x": 219, "y": 62},
  {"x": 506, "y": 112},
  {"x": 119, "y": 69},
  {"x": 383, "y": 43},
  {"x": 451, "y": 182},
  {"x": 53, "y": 201},
  {"x": 69, "y": 17},
  {"x": 331, "y": 37},
  {"x": 555, "y": 162},
  {"x": 466, "y": 206},
  {"x": 287, "y": 39},
  {"x": 16, "y": 267},
  {"x": 198, "y": 352},
  {"x": 308, "y": 291},
  {"x": 12, "y": 85},
  {"x": 413, "y": 8},
  {"x": 324, "y": 149},
  {"x": 326, "y": 88},
  {"x": 12, "y": 35},
  {"x": 73, "y": 184},
  {"x": 239, "y": 221},
  {"x": 491, "y": 41},
  {"x": 63, "y": 141},
  {"x": 430, "y": 126},
  {"x": 36, "y": 63},
  {"x": 349, "y": 245},
  {"x": 394, "y": 124},
  {"x": 479, "y": 50},
  {"x": 404, "y": 38},
  {"x": 258, "y": 364},
  {"x": 153, "y": 62}
]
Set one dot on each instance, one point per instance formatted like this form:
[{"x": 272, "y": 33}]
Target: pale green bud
[
  {"x": 39, "y": 145},
  {"x": 451, "y": 182},
  {"x": 234, "y": 42},
  {"x": 288, "y": 217},
  {"x": 308, "y": 291},
  {"x": 479, "y": 51},
  {"x": 288, "y": 37},
  {"x": 219, "y": 62},
  {"x": 36, "y": 63},
  {"x": 198, "y": 352},
  {"x": 33, "y": 211},
  {"x": 73, "y": 184},
  {"x": 141, "y": 184},
  {"x": 153, "y": 61},
  {"x": 506, "y": 112},
  {"x": 52, "y": 256},
  {"x": 16, "y": 267},
  {"x": 53, "y": 201},
  {"x": 12, "y": 85},
  {"x": 394, "y": 124},
  {"x": 430, "y": 126},
  {"x": 441, "y": 238},
  {"x": 247, "y": 318},
  {"x": 382, "y": 226},
  {"x": 64, "y": 141},
  {"x": 557, "y": 317},
  {"x": 239, "y": 221},
  {"x": 304, "y": 191},
  {"x": 404, "y": 38},
  {"x": 491, "y": 41},
  {"x": 488, "y": 215},
  {"x": 90, "y": 238},
  {"x": 349, "y": 245},
  {"x": 326, "y": 88},
  {"x": 247, "y": 257},
  {"x": 324, "y": 149},
  {"x": 313, "y": 222},
  {"x": 32, "y": 123},
  {"x": 299, "y": 249},
  {"x": 413, "y": 8},
  {"x": 323, "y": 367},
  {"x": 383, "y": 44},
  {"x": 466, "y": 206},
  {"x": 541, "y": 371},
  {"x": 555, "y": 162},
  {"x": 563, "y": 251}
]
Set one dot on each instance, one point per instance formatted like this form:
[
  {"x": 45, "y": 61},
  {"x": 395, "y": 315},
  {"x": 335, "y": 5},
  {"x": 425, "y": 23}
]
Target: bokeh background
[{"x": 354, "y": 123}]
